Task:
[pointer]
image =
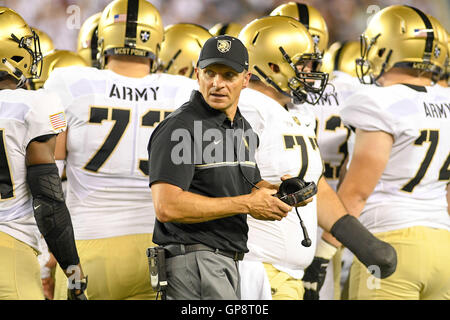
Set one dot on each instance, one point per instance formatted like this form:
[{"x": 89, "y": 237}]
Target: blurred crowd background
[{"x": 346, "y": 19}]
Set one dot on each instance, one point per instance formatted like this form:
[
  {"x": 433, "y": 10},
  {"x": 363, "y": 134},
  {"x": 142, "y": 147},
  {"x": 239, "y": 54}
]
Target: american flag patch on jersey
[
  {"x": 58, "y": 120},
  {"x": 120, "y": 17},
  {"x": 422, "y": 33}
]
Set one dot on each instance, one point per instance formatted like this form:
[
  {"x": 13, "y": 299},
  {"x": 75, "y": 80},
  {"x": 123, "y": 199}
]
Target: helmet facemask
[
  {"x": 364, "y": 70},
  {"x": 305, "y": 85}
]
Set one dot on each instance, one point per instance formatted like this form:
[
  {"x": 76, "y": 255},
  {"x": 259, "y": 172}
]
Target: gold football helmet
[
  {"x": 20, "y": 51},
  {"x": 341, "y": 56},
  {"x": 310, "y": 17},
  {"x": 88, "y": 40},
  {"x": 400, "y": 36},
  {"x": 45, "y": 41},
  {"x": 181, "y": 48},
  {"x": 57, "y": 59},
  {"x": 280, "y": 48},
  {"x": 231, "y": 29},
  {"x": 130, "y": 27}
]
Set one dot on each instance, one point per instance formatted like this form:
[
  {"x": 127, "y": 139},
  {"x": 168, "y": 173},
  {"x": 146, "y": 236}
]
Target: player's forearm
[
  {"x": 353, "y": 198},
  {"x": 329, "y": 207}
]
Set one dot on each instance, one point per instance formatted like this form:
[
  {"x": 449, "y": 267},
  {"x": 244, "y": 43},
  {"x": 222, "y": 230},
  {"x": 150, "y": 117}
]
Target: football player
[
  {"x": 331, "y": 134},
  {"x": 29, "y": 123},
  {"x": 399, "y": 162},
  {"x": 181, "y": 47},
  {"x": 88, "y": 39},
  {"x": 287, "y": 147},
  {"x": 111, "y": 114}
]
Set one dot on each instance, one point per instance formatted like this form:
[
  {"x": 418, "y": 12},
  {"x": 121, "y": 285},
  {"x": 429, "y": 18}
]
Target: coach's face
[{"x": 221, "y": 86}]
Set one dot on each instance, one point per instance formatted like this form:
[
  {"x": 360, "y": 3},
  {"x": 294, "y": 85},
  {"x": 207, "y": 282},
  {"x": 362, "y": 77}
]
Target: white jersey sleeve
[
  {"x": 46, "y": 117},
  {"x": 412, "y": 188},
  {"x": 24, "y": 116}
]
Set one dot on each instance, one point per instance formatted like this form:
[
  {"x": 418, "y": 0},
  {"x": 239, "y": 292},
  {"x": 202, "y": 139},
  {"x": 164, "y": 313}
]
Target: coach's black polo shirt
[{"x": 195, "y": 148}]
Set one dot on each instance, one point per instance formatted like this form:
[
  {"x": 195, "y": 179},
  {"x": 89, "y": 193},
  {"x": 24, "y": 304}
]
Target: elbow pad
[
  {"x": 370, "y": 250},
  {"x": 51, "y": 213}
]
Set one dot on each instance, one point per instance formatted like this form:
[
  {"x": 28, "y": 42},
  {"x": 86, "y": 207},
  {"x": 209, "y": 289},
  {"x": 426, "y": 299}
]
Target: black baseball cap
[{"x": 226, "y": 50}]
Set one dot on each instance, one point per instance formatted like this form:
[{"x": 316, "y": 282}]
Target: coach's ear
[{"x": 247, "y": 76}]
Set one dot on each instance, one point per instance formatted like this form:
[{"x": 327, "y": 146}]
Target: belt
[{"x": 173, "y": 250}]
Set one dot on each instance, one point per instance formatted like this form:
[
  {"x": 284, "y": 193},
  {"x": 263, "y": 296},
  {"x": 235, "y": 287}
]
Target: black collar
[
  {"x": 220, "y": 118},
  {"x": 415, "y": 87}
]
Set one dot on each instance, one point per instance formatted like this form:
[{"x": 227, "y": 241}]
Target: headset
[{"x": 291, "y": 192}]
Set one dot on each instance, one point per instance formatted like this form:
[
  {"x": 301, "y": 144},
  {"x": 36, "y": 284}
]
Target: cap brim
[{"x": 207, "y": 62}]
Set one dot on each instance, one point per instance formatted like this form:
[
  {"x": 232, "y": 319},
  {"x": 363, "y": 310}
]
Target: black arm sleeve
[
  {"x": 51, "y": 213},
  {"x": 370, "y": 250}
]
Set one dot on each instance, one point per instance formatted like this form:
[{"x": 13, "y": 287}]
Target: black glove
[
  {"x": 78, "y": 294},
  {"x": 314, "y": 278}
]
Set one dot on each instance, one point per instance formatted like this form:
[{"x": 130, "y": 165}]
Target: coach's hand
[{"x": 262, "y": 205}]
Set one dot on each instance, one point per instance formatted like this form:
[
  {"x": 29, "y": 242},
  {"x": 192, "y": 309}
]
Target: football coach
[{"x": 204, "y": 179}]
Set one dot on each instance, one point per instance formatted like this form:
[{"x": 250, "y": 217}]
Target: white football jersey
[
  {"x": 24, "y": 115},
  {"x": 287, "y": 145},
  {"x": 110, "y": 120},
  {"x": 412, "y": 188},
  {"x": 331, "y": 133}
]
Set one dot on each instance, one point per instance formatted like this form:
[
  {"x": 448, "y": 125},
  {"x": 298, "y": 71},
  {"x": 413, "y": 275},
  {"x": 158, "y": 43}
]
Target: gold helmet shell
[
  {"x": 341, "y": 56},
  {"x": 130, "y": 27},
  {"x": 310, "y": 17},
  {"x": 20, "y": 55},
  {"x": 45, "y": 41},
  {"x": 231, "y": 29},
  {"x": 88, "y": 40},
  {"x": 181, "y": 48},
  {"x": 278, "y": 46},
  {"x": 57, "y": 59},
  {"x": 400, "y": 36}
]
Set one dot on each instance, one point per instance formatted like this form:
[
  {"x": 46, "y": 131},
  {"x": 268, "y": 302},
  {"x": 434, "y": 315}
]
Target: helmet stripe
[
  {"x": 223, "y": 29},
  {"x": 303, "y": 14},
  {"x": 430, "y": 35},
  {"x": 94, "y": 44},
  {"x": 131, "y": 24},
  {"x": 338, "y": 55}
]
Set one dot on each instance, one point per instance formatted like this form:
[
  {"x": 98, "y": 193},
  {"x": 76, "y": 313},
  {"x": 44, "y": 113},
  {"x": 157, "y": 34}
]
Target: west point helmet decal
[{"x": 145, "y": 35}]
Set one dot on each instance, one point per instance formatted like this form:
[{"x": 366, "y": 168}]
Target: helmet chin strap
[
  {"x": 16, "y": 73},
  {"x": 271, "y": 82}
]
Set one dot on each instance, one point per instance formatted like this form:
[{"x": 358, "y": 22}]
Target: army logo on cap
[
  {"x": 223, "y": 45},
  {"x": 145, "y": 35}
]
